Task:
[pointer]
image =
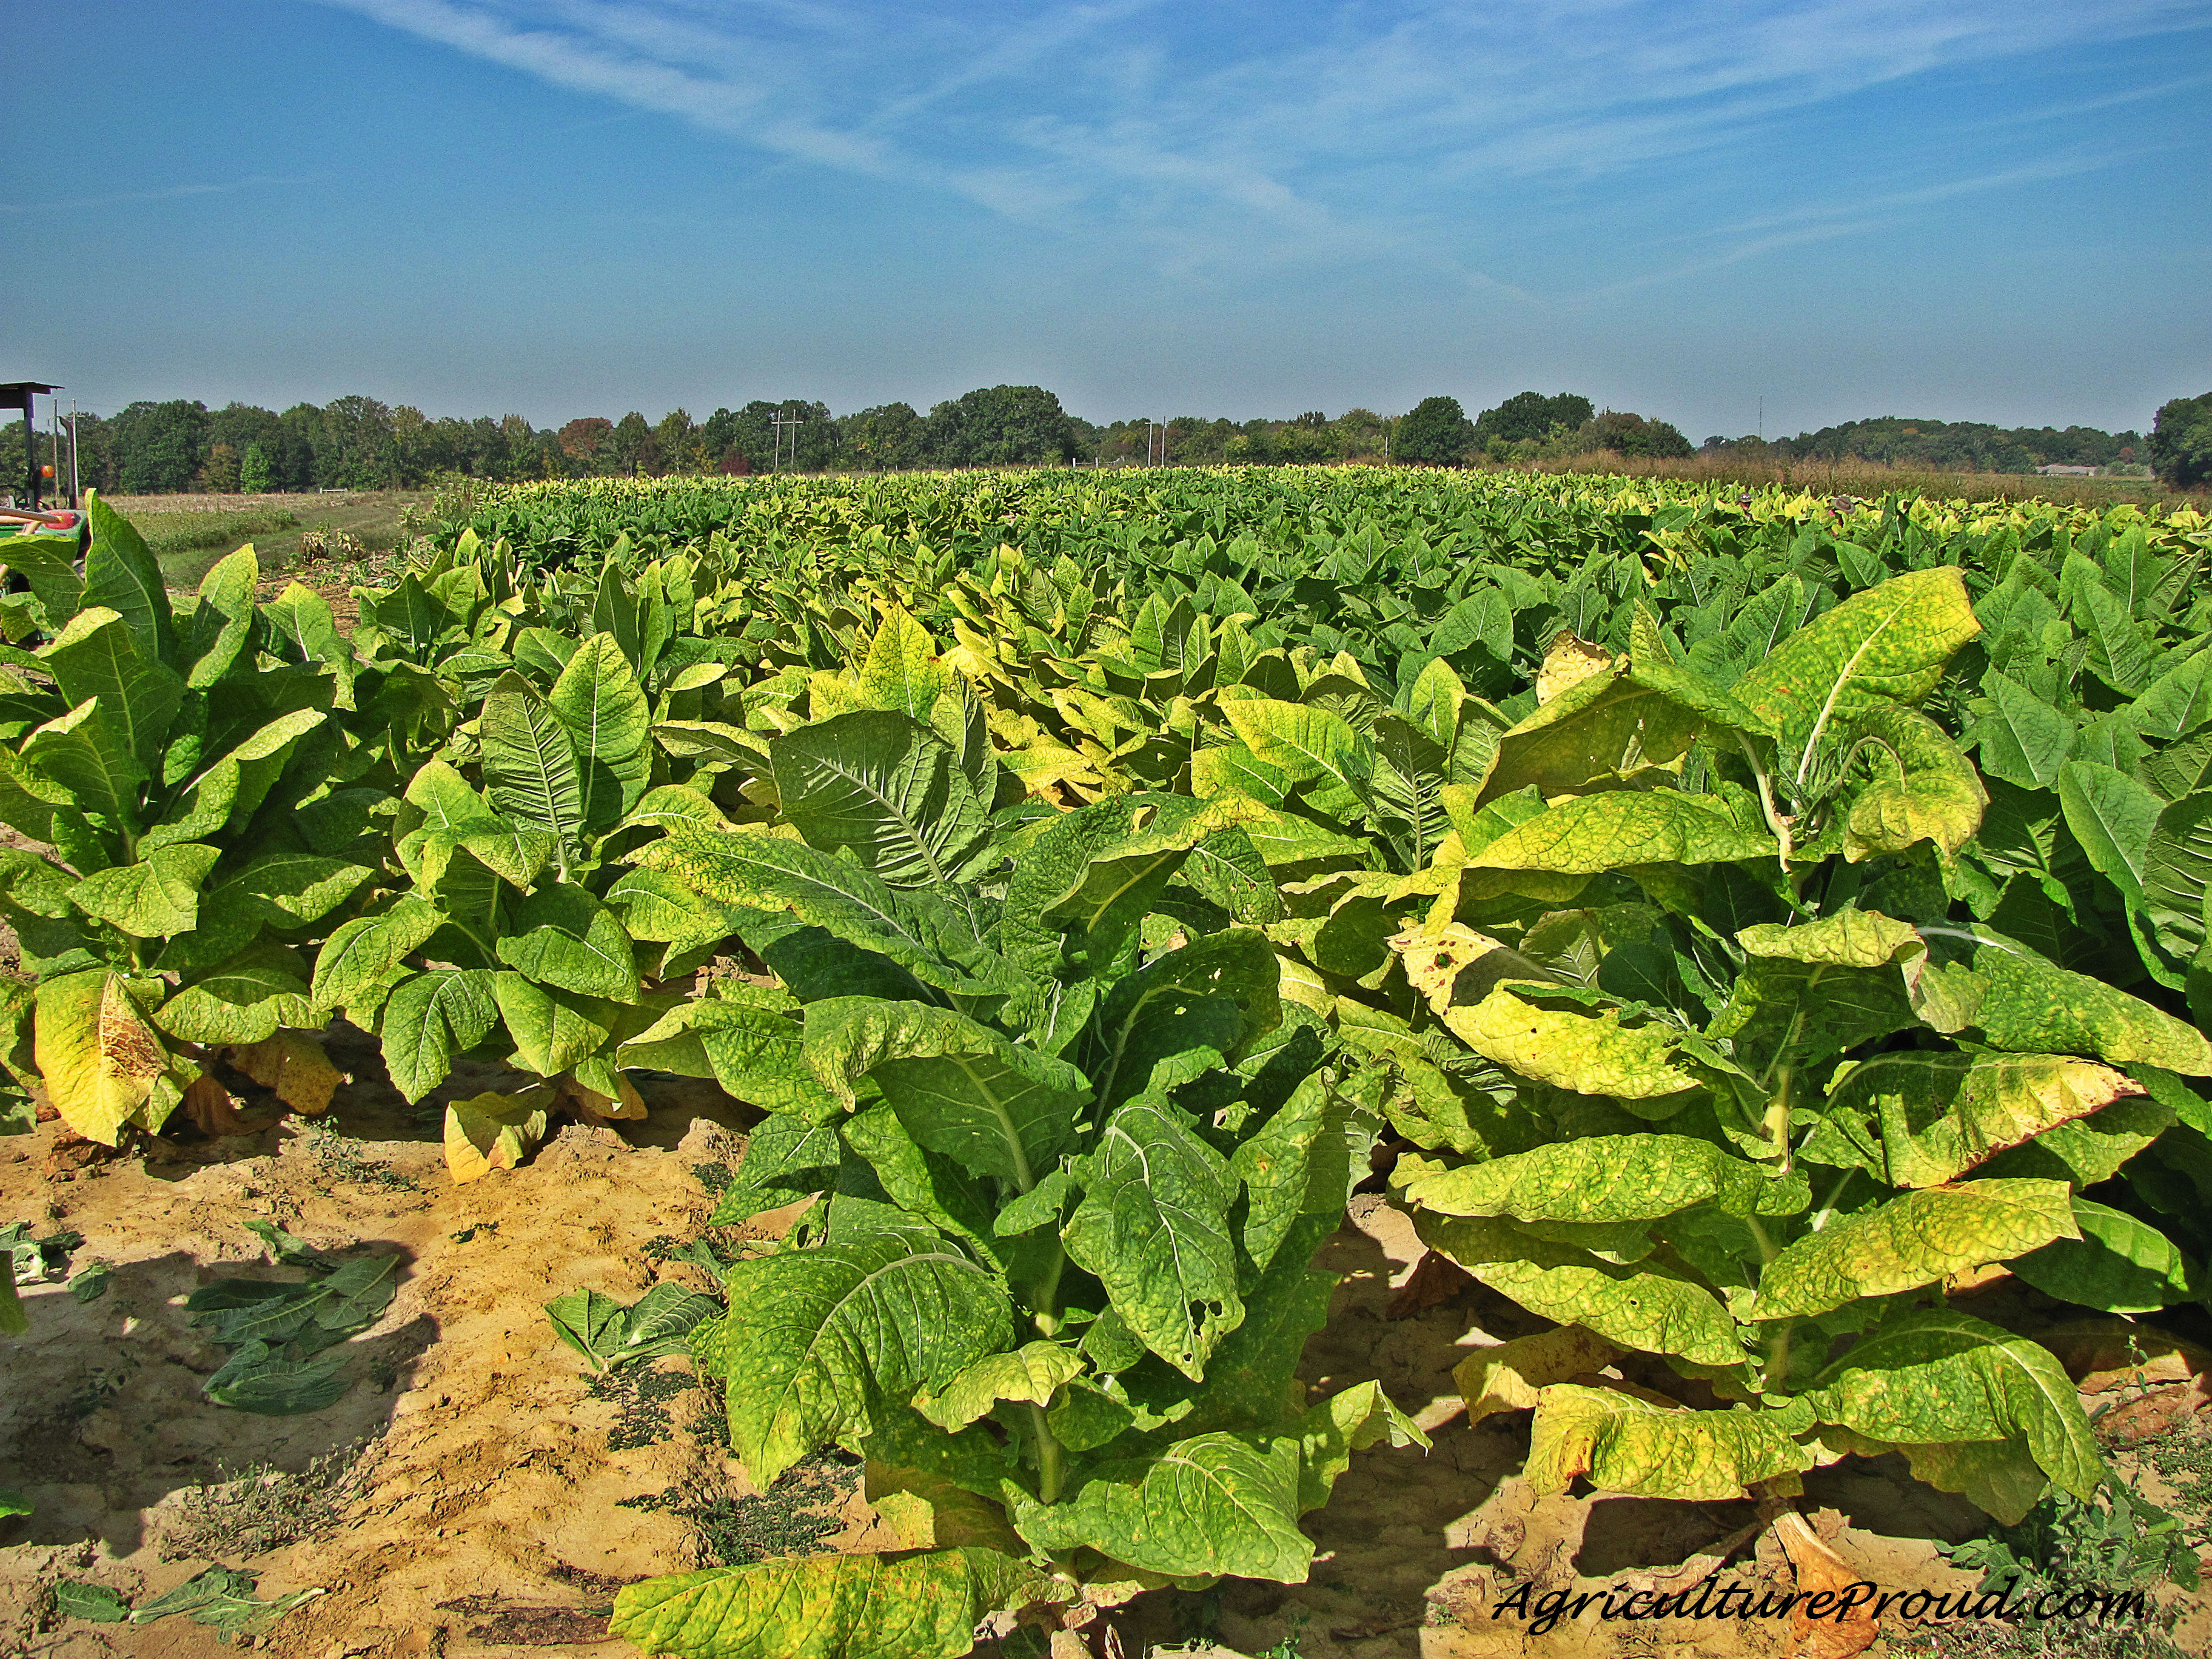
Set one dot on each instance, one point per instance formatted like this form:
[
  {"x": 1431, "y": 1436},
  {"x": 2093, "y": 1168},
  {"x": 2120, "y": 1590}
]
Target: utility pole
[
  {"x": 77, "y": 498},
  {"x": 779, "y": 421}
]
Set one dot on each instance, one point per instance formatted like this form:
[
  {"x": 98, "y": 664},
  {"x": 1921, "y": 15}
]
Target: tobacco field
[{"x": 1761, "y": 940}]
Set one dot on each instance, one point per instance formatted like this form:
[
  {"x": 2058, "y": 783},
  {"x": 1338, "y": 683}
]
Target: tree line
[
  {"x": 358, "y": 443},
  {"x": 1946, "y": 446}
]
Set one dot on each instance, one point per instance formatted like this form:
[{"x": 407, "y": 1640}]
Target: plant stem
[{"x": 1049, "y": 1471}]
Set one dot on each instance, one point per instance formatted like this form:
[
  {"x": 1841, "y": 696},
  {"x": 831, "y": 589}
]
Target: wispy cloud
[
  {"x": 167, "y": 193},
  {"x": 1240, "y": 129}
]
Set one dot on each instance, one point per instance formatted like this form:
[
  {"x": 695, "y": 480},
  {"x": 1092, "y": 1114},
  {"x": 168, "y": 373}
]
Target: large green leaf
[
  {"x": 830, "y": 1607},
  {"x": 2177, "y": 872},
  {"x": 1302, "y": 1161},
  {"x": 530, "y": 768},
  {"x": 2119, "y": 1265},
  {"x": 1153, "y": 1225},
  {"x": 242, "y": 1001},
  {"x": 1812, "y": 991},
  {"x": 2021, "y": 738},
  {"x": 121, "y": 573},
  {"x": 1626, "y": 1443},
  {"x": 2113, "y": 815},
  {"x": 562, "y": 936},
  {"x": 816, "y": 1333},
  {"x": 768, "y": 873},
  {"x": 79, "y": 755},
  {"x": 1889, "y": 643},
  {"x": 153, "y": 898},
  {"x": 98, "y": 655},
  {"x": 1933, "y": 1375},
  {"x": 1000, "y": 1108},
  {"x": 1935, "y": 1116},
  {"x": 1312, "y": 747},
  {"x": 1033, "y": 1373},
  {"x": 554, "y": 1031},
  {"x": 1086, "y": 882},
  {"x": 598, "y": 699},
  {"x": 1603, "y": 1178},
  {"x": 1647, "y": 1306},
  {"x": 1915, "y": 1238},
  {"x": 1142, "y": 1016},
  {"x": 1214, "y": 1504},
  {"x": 430, "y": 1018},
  {"x": 361, "y": 954},
  {"x": 2030, "y": 1004},
  {"x": 884, "y": 785}
]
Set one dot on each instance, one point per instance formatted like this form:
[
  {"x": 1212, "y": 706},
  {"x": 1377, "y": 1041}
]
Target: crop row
[{"x": 1732, "y": 920}]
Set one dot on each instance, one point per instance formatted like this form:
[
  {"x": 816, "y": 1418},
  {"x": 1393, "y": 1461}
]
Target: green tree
[
  {"x": 254, "y": 469},
  {"x": 888, "y": 438},
  {"x": 2181, "y": 442},
  {"x": 1436, "y": 433},
  {"x": 219, "y": 473},
  {"x": 1000, "y": 426},
  {"x": 160, "y": 447},
  {"x": 1528, "y": 416},
  {"x": 674, "y": 437}
]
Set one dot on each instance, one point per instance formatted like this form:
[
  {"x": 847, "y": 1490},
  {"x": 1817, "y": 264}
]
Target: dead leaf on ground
[{"x": 1820, "y": 1568}]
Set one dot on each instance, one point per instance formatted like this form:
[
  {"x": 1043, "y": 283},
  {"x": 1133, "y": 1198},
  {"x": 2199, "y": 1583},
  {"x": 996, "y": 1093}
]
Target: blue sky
[{"x": 1996, "y": 210}]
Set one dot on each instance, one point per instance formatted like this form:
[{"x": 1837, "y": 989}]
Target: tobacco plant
[
  {"x": 1730, "y": 1083},
  {"x": 1070, "y": 1158}
]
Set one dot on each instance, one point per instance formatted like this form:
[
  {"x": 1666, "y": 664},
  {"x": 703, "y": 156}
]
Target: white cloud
[{"x": 1240, "y": 130}]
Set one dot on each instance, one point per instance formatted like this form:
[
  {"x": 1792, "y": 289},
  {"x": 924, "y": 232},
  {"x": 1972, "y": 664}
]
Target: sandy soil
[{"x": 495, "y": 1506}]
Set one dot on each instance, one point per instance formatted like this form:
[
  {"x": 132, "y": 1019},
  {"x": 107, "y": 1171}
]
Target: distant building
[{"x": 2068, "y": 471}]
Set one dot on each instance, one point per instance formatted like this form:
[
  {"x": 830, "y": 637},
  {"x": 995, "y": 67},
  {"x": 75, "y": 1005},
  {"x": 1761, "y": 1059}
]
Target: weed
[
  {"x": 346, "y": 1159},
  {"x": 467, "y": 1233},
  {"x": 715, "y": 1177},
  {"x": 638, "y": 1393},
  {"x": 791, "y": 1518},
  {"x": 260, "y": 1508}
]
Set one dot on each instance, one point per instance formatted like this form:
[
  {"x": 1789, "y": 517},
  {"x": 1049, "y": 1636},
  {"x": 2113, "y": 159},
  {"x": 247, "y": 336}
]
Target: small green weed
[
  {"x": 347, "y": 1159},
  {"x": 791, "y": 1518}
]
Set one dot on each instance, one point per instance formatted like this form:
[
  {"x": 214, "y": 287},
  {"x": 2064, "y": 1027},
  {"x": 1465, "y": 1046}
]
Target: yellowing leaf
[
  {"x": 1588, "y": 1055},
  {"x": 1601, "y": 1178},
  {"x": 97, "y": 1054},
  {"x": 1509, "y": 1376},
  {"x": 490, "y": 1132},
  {"x": 2036, "y": 1005},
  {"x": 1646, "y": 1306},
  {"x": 1937, "y": 1116},
  {"x": 1934, "y": 1376},
  {"x": 1621, "y": 828},
  {"x": 293, "y": 1064},
  {"x": 829, "y": 1606},
  {"x": 1626, "y": 1442},
  {"x": 1913, "y": 1239},
  {"x": 1567, "y": 664},
  {"x": 1888, "y": 644},
  {"x": 1031, "y": 1373}
]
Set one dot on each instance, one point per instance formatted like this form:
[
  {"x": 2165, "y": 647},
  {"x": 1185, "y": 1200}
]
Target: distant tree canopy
[
  {"x": 1436, "y": 433},
  {"x": 2181, "y": 442},
  {"x": 1532, "y": 416},
  {"x": 997, "y": 425},
  {"x": 360, "y": 443},
  {"x": 1945, "y": 446}
]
